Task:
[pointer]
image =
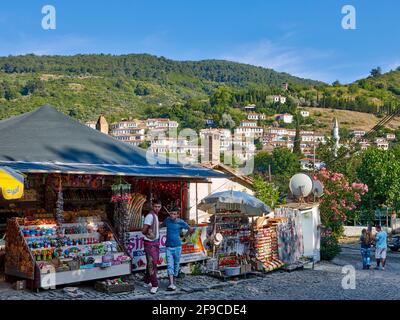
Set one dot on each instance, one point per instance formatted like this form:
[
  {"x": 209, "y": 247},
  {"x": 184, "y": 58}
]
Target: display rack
[
  {"x": 232, "y": 255},
  {"x": 69, "y": 253},
  {"x": 265, "y": 252}
]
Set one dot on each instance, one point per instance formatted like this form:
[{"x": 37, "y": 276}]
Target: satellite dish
[
  {"x": 301, "y": 185},
  {"x": 318, "y": 188}
]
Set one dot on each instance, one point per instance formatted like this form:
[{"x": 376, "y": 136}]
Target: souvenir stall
[
  {"x": 299, "y": 234},
  {"x": 265, "y": 251},
  {"x": 12, "y": 187},
  {"x": 91, "y": 224},
  {"x": 63, "y": 234},
  {"x": 85, "y": 194},
  {"x": 234, "y": 236}
]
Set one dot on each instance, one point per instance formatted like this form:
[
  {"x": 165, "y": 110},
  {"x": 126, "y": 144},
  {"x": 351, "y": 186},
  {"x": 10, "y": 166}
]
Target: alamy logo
[
  {"x": 349, "y": 20},
  {"x": 49, "y": 20},
  {"x": 349, "y": 280}
]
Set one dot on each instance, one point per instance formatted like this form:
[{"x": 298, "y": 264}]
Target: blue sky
[{"x": 304, "y": 38}]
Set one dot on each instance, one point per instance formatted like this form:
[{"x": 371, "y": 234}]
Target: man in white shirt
[{"x": 151, "y": 231}]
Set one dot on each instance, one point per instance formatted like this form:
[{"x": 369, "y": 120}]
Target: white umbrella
[{"x": 234, "y": 200}]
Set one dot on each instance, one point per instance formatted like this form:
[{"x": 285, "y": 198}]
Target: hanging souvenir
[
  {"x": 121, "y": 192},
  {"x": 59, "y": 211}
]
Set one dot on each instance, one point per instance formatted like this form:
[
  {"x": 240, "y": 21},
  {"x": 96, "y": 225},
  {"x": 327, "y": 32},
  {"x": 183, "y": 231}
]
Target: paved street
[{"x": 324, "y": 282}]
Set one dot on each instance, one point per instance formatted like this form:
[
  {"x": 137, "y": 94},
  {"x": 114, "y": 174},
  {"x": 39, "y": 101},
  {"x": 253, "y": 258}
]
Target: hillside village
[{"x": 252, "y": 135}]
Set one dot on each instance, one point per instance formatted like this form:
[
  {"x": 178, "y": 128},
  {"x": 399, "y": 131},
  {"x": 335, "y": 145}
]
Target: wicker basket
[{"x": 114, "y": 288}]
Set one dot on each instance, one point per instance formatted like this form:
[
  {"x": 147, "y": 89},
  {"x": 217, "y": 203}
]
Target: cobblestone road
[{"x": 324, "y": 282}]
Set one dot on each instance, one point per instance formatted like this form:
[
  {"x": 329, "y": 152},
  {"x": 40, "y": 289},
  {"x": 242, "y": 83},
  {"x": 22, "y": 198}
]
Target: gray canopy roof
[{"x": 46, "y": 140}]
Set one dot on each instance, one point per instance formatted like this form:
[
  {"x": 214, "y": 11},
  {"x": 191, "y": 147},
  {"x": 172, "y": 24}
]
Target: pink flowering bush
[{"x": 339, "y": 200}]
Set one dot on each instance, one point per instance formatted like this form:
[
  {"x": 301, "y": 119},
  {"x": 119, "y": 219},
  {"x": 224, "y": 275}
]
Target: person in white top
[{"x": 151, "y": 232}]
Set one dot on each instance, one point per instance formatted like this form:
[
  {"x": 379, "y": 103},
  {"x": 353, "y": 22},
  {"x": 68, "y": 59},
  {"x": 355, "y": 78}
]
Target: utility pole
[{"x": 314, "y": 155}]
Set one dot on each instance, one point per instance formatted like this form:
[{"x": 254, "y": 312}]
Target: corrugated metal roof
[{"x": 46, "y": 140}]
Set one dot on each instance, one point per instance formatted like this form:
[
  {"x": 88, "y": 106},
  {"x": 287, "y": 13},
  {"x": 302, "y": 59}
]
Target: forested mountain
[
  {"x": 141, "y": 85},
  {"x": 148, "y": 67}
]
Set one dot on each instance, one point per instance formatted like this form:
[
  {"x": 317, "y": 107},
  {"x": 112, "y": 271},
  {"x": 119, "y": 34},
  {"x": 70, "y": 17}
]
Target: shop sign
[
  {"x": 192, "y": 248},
  {"x": 11, "y": 184}
]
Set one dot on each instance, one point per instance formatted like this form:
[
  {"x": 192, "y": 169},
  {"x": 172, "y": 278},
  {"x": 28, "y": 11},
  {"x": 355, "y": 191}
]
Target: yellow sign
[{"x": 11, "y": 183}]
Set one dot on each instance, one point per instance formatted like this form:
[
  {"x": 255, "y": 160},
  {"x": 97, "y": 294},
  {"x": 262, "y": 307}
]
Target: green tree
[
  {"x": 221, "y": 99},
  {"x": 344, "y": 134},
  {"x": 380, "y": 170},
  {"x": 227, "y": 122},
  {"x": 72, "y": 113},
  {"x": 266, "y": 192},
  {"x": 142, "y": 90},
  {"x": 347, "y": 162},
  {"x": 258, "y": 144},
  {"x": 284, "y": 162},
  {"x": 376, "y": 72},
  {"x": 353, "y": 88},
  {"x": 262, "y": 161},
  {"x": 144, "y": 145},
  {"x": 10, "y": 92},
  {"x": 32, "y": 86}
]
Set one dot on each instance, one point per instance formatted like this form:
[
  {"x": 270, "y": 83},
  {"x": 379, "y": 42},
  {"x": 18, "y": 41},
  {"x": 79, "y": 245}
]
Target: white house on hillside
[
  {"x": 304, "y": 113},
  {"x": 280, "y": 99},
  {"x": 286, "y": 118}
]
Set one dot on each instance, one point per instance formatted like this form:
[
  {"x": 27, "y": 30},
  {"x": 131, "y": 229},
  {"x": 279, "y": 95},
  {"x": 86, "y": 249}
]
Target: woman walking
[{"x": 365, "y": 240}]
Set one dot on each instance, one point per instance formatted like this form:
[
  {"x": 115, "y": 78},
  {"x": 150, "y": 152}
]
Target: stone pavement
[{"x": 324, "y": 282}]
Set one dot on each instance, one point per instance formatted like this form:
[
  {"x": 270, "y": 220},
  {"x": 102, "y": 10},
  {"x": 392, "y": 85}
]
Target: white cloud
[
  {"x": 392, "y": 65},
  {"x": 274, "y": 55}
]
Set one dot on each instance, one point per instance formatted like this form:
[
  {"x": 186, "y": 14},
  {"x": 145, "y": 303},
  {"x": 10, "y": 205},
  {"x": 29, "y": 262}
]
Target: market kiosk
[
  {"x": 12, "y": 187},
  {"x": 244, "y": 238},
  {"x": 85, "y": 197}
]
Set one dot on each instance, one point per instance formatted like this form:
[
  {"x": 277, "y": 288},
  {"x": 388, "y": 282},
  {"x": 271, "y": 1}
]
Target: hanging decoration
[
  {"x": 135, "y": 207},
  {"x": 290, "y": 235},
  {"x": 121, "y": 197},
  {"x": 120, "y": 192},
  {"x": 59, "y": 211}
]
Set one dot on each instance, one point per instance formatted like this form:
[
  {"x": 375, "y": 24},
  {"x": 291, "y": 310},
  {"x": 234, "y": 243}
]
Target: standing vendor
[
  {"x": 151, "y": 232},
  {"x": 174, "y": 245}
]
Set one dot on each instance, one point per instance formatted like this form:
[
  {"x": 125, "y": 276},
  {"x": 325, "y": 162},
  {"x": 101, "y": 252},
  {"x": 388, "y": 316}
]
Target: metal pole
[
  {"x": 197, "y": 210},
  {"x": 387, "y": 217},
  {"x": 314, "y": 157}
]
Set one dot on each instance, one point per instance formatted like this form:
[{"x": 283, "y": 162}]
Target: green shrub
[{"x": 330, "y": 248}]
